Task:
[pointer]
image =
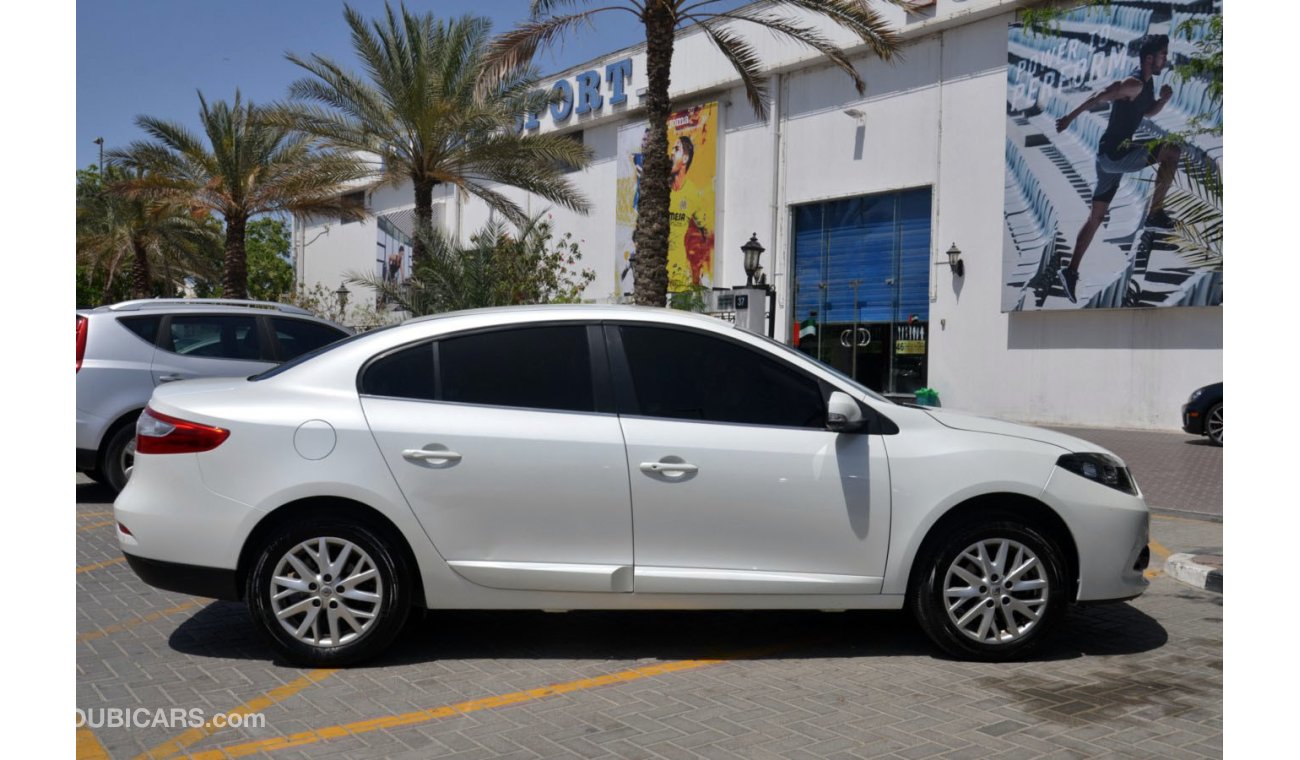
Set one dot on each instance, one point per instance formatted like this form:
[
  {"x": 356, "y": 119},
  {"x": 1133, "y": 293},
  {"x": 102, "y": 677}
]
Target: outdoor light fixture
[
  {"x": 855, "y": 113},
  {"x": 752, "y": 251},
  {"x": 342, "y": 294},
  {"x": 954, "y": 261}
]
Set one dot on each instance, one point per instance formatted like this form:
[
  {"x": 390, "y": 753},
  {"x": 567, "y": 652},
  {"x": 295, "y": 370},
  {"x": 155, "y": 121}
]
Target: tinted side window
[
  {"x": 533, "y": 367},
  {"x": 403, "y": 374},
  {"x": 218, "y": 337},
  {"x": 690, "y": 376},
  {"x": 145, "y": 327},
  {"x": 298, "y": 336}
]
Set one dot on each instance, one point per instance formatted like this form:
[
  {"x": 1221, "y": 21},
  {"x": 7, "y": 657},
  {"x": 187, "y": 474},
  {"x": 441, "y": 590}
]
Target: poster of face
[
  {"x": 1114, "y": 148},
  {"x": 692, "y": 145}
]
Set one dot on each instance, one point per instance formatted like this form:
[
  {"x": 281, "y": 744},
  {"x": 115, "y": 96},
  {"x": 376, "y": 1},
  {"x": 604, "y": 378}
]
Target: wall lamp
[{"x": 954, "y": 261}]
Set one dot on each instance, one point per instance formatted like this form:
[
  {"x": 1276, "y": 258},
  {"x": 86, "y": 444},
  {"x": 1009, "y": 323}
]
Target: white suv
[
  {"x": 127, "y": 349},
  {"x": 614, "y": 458}
]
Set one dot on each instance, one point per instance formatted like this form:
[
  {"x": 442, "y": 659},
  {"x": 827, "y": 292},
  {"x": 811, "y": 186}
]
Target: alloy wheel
[
  {"x": 996, "y": 591},
  {"x": 1214, "y": 424},
  {"x": 326, "y": 592}
]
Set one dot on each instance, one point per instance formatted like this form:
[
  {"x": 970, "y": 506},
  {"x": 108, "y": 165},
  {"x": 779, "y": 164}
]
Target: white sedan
[{"x": 612, "y": 458}]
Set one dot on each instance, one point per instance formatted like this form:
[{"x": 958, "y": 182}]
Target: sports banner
[
  {"x": 692, "y": 145},
  {"x": 1113, "y": 155}
]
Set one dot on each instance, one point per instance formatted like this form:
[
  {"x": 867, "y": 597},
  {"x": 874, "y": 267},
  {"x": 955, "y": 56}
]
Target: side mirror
[{"x": 843, "y": 414}]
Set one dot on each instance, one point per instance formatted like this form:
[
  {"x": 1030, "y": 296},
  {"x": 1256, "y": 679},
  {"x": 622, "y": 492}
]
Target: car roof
[
  {"x": 550, "y": 312},
  {"x": 207, "y": 304}
]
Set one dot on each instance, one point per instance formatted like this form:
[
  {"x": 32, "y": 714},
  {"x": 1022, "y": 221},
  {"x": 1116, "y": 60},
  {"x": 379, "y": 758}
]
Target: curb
[{"x": 1204, "y": 571}]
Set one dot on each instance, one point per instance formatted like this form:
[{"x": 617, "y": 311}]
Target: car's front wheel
[
  {"x": 991, "y": 591},
  {"x": 1214, "y": 424},
  {"x": 329, "y": 593}
]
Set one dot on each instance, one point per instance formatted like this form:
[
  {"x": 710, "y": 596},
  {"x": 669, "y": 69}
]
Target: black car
[{"x": 1203, "y": 413}]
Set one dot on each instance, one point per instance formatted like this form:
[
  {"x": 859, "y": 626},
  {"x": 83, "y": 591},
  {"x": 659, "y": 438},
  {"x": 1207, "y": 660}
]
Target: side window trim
[
  {"x": 625, "y": 401},
  {"x": 269, "y": 347}
]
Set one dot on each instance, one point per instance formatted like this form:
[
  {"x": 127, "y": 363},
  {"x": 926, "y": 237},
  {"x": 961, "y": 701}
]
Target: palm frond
[{"x": 744, "y": 59}]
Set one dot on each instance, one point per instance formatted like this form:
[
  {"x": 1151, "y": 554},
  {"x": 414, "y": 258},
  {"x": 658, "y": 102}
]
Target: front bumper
[
  {"x": 1111, "y": 532},
  {"x": 1193, "y": 420}
]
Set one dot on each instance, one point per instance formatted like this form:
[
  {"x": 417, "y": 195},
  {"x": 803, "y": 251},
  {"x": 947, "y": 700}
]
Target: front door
[
  {"x": 516, "y": 477},
  {"x": 737, "y": 486}
]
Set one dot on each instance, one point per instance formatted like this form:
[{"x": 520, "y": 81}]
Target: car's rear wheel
[
  {"x": 329, "y": 593},
  {"x": 118, "y": 458},
  {"x": 1214, "y": 424},
  {"x": 991, "y": 591}
]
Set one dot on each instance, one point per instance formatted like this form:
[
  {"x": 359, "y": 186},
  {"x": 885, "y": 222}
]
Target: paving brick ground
[{"x": 1139, "y": 679}]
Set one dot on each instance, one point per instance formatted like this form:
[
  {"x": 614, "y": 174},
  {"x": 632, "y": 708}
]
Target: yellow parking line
[
  {"x": 1161, "y": 552},
  {"x": 1184, "y": 519},
  {"x": 88, "y": 747},
  {"x": 96, "y": 525},
  {"x": 445, "y": 711},
  {"x": 126, "y": 625},
  {"x": 98, "y": 565},
  {"x": 94, "y": 514},
  {"x": 255, "y": 705}
]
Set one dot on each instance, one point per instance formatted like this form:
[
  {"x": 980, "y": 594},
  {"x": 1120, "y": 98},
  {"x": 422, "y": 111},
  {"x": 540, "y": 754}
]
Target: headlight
[
  {"x": 1102, "y": 468},
  {"x": 1195, "y": 395}
]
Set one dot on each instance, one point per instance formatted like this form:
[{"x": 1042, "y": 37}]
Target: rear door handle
[
  {"x": 169, "y": 378},
  {"x": 431, "y": 455}
]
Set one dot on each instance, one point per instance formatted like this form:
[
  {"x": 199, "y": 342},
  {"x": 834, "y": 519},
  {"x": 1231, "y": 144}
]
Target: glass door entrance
[{"x": 862, "y": 287}]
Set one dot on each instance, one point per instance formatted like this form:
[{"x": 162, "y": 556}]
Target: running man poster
[
  {"x": 693, "y": 148},
  {"x": 1113, "y": 196}
]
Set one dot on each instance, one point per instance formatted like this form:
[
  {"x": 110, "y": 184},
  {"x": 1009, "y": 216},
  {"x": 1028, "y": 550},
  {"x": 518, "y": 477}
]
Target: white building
[{"x": 923, "y": 149}]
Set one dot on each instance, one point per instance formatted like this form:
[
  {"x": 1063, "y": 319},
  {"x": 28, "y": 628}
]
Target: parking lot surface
[{"x": 1138, "y": 679}]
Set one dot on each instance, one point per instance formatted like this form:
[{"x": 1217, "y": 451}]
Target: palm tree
[
  {"x": 421, "y": 110},
  {"x": 245, "y": 167},
  {"x": 662, "y": 18},
  {"x": 162, "y": 241}
]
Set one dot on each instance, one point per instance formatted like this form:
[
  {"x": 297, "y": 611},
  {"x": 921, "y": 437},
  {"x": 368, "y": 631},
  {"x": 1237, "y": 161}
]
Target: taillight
[
  {"x": 157, "y": 433},
  {"x": 81, "y": 339}
]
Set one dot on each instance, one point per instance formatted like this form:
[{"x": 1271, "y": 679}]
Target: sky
[{"x": 150, "y": 56}]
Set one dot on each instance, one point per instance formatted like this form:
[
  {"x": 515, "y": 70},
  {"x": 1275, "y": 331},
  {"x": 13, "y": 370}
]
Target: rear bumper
[{"x": 211, "y": 582}]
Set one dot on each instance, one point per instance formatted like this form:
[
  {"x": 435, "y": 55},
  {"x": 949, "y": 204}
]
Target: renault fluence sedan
[{"x": 611, "y": 458}]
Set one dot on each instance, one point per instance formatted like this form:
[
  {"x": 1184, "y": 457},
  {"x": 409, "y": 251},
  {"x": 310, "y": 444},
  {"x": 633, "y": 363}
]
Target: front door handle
[
  {"x": 673, "y": 469},
  {"x": 436, "y": 456}
]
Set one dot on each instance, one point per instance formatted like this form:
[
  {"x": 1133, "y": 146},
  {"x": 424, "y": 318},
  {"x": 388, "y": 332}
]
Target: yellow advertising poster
[{"x": 693, "y": 149}]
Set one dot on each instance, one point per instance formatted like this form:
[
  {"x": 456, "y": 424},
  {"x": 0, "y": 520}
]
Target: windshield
[
  {"x": 828, "y": 368},
  {"x": 300, "y": 358}
]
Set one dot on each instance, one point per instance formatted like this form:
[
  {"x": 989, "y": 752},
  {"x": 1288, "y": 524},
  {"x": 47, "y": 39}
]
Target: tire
[
  {"x": 1214, "y": 424},
  {"x": 369, "y": 615},
  {"x": 118, "y": 458},
  {"x": 993, "y": 623}
]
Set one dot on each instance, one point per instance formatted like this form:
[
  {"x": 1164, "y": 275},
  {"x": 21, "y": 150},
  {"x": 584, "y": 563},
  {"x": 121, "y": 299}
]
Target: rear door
[
  {"x": 210, "y": 345},
  {"x": 506, "y": 446}
]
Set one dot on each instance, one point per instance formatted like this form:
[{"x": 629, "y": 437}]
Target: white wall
[{"x": 937, "y": 118}]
